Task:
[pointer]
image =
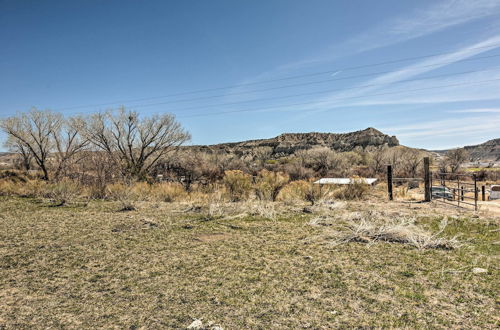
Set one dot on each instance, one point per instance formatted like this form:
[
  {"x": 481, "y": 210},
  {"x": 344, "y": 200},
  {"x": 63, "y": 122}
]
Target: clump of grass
[
  {"x": 262, "y": 209},
  {"x": 141, "y": 191},
  {"x": 215, "y": 207},
  {"x": 168, "y": 192},
  {"x": 402, "y": 231}
]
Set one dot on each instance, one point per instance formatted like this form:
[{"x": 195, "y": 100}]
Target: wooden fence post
[
  {"x": 389, "y": 182},
  {"x": 483, "y": 192},
  {"x": 427, "y": 179}
]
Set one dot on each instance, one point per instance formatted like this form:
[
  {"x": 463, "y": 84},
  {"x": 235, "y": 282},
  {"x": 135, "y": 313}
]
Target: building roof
[{"x": 345, "y": 180}]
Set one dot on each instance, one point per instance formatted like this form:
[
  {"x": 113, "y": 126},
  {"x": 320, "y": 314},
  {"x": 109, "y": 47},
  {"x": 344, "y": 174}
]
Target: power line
[
  {"x": 318, "y": 92},
  {"x": 308, "y": 83},
  {"x": 294, "y": 77},
  {"x": 323, "y": 91},
  {"x": 344, "y": 98}
]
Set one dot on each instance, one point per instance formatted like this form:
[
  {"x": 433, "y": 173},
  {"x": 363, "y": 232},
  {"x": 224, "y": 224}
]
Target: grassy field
[{"x": 275, "y": 266}]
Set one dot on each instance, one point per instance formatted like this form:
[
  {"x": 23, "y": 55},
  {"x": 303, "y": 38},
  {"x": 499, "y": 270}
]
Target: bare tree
[
  {"x": 378, "y": 160},
  {"x": 410, "y": 161},
  {"x": 24, "y": 153},
  {"x": 135, "y": 144},
  {"x": 455, "y": 158},
  {"x": 34, "y": 131},
  {"x": 323, "y": 160},
  {"x": 394, "y": 158},
  {"x": 68, "y": 143}
]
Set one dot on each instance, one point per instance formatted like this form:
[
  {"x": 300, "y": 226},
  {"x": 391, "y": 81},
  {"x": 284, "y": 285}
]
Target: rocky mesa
[{"x": 288, "y": 143}]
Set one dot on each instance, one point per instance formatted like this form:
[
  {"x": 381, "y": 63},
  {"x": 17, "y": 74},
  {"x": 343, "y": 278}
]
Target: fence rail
[{"x": 449, "y": 188}]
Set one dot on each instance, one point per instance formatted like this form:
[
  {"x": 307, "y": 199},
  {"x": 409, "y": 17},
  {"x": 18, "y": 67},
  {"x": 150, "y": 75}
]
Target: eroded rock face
[
  {"x": 288, "y": 143},
  {"x": 490, "y": 150}
]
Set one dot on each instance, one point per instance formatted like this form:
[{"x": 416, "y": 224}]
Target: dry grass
[
  {"x": 402, "y": 231},
  {"x": 164, "y": 266}
]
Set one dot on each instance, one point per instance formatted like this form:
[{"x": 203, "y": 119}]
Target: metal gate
[
  {"x": 450, "y": 188},
  {"x": 455, "y": 189}
]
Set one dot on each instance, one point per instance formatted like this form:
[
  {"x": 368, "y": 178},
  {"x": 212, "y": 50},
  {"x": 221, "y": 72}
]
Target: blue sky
[{"x": 78, "y": 57}]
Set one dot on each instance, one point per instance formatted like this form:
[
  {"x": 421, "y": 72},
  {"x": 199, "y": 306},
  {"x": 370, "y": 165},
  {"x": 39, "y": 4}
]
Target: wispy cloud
[
  {"x": 481, "y": 110},
  {"x": 421, "y": 22},
  {"x": 444, "y": 133},
  {"x": 437, "y": 17},
  {"x": 431, "y": 19},
  {"x": 445, "y": 126},
  {"x": 383, "y": 82}
]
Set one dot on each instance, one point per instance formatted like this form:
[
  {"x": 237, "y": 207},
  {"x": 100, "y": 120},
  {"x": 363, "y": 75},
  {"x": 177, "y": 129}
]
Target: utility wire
[
  {"x": 313, "y": 93},
  {"x": 343, "y": 98},
  {"x": 291, "y": 77},
  {"x": 322, "y": 91}
]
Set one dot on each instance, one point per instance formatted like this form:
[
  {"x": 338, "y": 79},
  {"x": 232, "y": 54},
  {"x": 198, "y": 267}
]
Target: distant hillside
[
  {"x": 490, "y": 150},
  {"x": 6, "y": 159},
  {"x": 487, "y": 151},
  {"x": 288, "y": 143}
]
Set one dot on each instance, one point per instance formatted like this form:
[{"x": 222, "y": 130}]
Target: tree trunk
[{"x": 45, "y": 173}]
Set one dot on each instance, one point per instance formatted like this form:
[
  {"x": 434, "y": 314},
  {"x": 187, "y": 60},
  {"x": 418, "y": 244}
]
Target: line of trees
[
  {"x": 119, "y": 144},
  {"x": 54, "y": 143}
]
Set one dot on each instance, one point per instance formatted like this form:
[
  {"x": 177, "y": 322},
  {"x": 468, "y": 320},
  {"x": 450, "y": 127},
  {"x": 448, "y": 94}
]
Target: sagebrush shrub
[
  {"x": 355, "y": 190},
  {"x": 269, "y": 184},
  {"x": 295, "y": 190},
  {"x": 238, "y": 185}
]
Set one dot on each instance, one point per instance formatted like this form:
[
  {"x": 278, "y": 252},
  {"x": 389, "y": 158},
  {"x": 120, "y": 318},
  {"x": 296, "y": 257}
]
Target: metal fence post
[
  {"x": 427, "y": 179},
  {"x": 389, "y": 182},
  {"x": 443, "y": 180},
  {"x": 483, "y": 192}
]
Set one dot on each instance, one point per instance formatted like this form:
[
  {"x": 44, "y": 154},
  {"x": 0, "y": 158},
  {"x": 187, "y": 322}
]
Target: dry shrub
[
  {"x": 403, "y": 231},
  {"x": 238, "y": 185},
  {"x": 36, "y": 188},
  {"x": 8, "y": 188},
  {"x": 30, "y": 188},
  {"x": 13, "y": 176},
  {"x": 168, "y": 192},
  {"x": 269, "y": 184},
  {"x": 63, "y": 191},
  {"x": 401, "y": 191},
  {"x": 95, "y": 191},
  {"x": 356, "y": 190},
  {"x": 295, "y": 190},
  {"x": 215, "y": 207},
  {"x": 261, "y": 209},
  {"x": 122, "y": 193},
  {"x": 12, "y": 183}
]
